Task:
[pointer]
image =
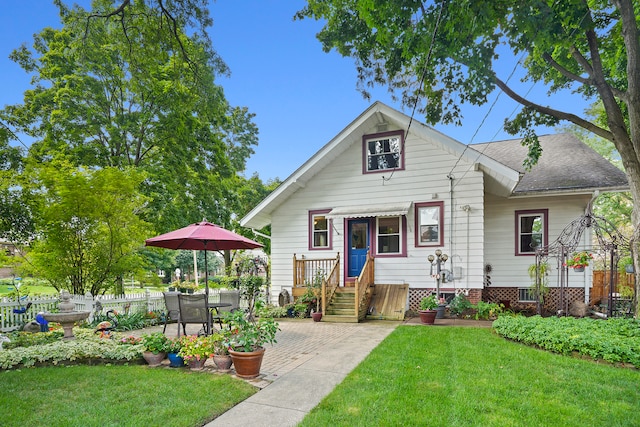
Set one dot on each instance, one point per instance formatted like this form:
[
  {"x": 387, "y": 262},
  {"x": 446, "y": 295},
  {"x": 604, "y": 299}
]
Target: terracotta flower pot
[
  {"x": 247, "y": 363},
  {"x": 317, "y": 316},
  {"x": 153, "y": 359},
  {"x": 223, "y": 362},
  {"x": 427, "y": 317},
  {"x": 196, "y": 365}
]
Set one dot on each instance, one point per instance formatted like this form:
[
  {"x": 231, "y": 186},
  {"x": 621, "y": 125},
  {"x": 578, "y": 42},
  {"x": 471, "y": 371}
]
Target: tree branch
[
  {"x": 560, "y": 115},
  {"x": 568, "y": 74}
]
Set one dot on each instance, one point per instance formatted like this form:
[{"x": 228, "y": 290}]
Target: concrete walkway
[
  {"x": 305, "y": 365},
  {"x": 308, "y": 361}
]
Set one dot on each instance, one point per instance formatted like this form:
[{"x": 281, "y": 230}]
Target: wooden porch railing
[
  {"x": 363, "y": 282},
  {"x": 330, "y": 284},
  {"x": 306, "y": 270}
]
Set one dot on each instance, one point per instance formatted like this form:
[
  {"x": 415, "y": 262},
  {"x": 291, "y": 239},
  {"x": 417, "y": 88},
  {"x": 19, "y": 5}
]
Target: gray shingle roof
[{"x": 566, "y": 164}]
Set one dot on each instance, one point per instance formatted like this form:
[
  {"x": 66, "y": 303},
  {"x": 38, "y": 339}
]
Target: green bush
[
  {"x": 459, "y": 304},
  {"x": 615, "y": 340},
  {"x": 27, "y": 339},
  {"x": 86, "y": 348},
  {"x": 488, "y": 310}
]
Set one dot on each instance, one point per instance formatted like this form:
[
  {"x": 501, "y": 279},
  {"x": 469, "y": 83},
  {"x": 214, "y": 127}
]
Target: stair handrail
[
  {"x": 363, "y": 282},
  {"x": 330, "y": 284}
]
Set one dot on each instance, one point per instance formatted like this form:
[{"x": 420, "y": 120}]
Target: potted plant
[
  {"x": 314, "y": 289},
  {"x": 428, "y": 306},
  {"x": 155, "y": 348},
  {"x": 221, "y": 351},
  {"x": 196, "y": 350},
  {"x": 246, "y": 340},
  {"x": 579, "y": 260},
  {"x": 626, "y": 264},
  {"x": 173, "y": 349}
]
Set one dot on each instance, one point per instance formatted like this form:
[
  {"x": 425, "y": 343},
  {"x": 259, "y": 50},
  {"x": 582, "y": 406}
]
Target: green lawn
[
  {"x": 105, "y": 396},
  {"x": 436, "y": 376}
]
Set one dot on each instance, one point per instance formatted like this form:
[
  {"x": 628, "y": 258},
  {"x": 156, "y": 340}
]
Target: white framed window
[
  {"x": 389, "y": 234},
  {"x": 429, "y": 224},
  {"x": 383, "y": 152},
  {"x": 531, "y": 231},
  {"x": 526, "y": 295},
  {"x": 319, "y": 229}
]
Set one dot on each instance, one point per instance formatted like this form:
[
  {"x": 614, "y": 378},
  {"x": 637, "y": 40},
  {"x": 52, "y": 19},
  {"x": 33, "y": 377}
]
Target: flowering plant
[
  {"x": 579, "y": 259},
  {"x": 194, "y": 347},
  {"x": 130, "y": 340},
  {"x": 249, "y": 334},
  {"x": 155, "y": 342},
  {"x": 429, "y": 302},
  {"x": 174, "y": 345}
]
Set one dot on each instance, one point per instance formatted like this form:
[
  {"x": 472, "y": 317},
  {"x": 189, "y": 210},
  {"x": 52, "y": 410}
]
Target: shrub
[
  {"x": 488, "y": 310},
  {"x": 615, "y": 340},
  {"x": 86, "y": 348},
  {"x": 459, "y": 304}
]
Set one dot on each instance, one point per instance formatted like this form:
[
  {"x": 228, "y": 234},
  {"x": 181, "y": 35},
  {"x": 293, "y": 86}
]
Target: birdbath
[{"x": 67, "y": 315}]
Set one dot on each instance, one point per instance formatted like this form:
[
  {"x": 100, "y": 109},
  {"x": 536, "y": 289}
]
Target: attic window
[{"x": 382, "y": 152}]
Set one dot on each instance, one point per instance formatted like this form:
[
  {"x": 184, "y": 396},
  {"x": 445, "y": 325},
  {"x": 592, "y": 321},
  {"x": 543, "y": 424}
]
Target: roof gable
[{"x": 382, "y": 117}]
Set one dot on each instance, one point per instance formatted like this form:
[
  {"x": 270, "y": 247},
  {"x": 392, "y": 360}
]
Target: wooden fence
[
  {"x": 601, "y": 281},
  {"x": 131, "y": 303}
]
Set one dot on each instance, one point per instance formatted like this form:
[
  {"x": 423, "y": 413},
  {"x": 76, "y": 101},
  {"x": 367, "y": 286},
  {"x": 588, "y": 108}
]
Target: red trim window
[
  {"x": 532, "y": 230},
  {"x": 429, "y": 224},
  {"x": 382, "y": 152},
  {"x": 320, "y": 230}
]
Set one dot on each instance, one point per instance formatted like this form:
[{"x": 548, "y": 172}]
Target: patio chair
[
  {"x": 227, "y": 297},
  {"x": 173, "y": 310},
  {"x": 193, "y": 309}
]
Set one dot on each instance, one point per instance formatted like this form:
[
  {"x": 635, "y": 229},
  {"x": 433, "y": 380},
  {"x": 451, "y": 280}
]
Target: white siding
[
  {"x": 511, "y": 270},
  {"x": 424, "y": 179}
]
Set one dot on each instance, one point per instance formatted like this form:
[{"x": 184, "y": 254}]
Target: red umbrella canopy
[{"x": 203, "y": 236}]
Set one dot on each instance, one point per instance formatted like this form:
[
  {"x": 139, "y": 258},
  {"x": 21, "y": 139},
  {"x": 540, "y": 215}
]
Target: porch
[{"x": 354, "y": 301}]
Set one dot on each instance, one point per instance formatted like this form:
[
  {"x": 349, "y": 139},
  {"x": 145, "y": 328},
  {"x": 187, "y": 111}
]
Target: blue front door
[{"x": 358, "y": 245}]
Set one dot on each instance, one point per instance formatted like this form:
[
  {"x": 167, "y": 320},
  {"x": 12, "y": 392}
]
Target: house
[{"x": 369, "y": 208}]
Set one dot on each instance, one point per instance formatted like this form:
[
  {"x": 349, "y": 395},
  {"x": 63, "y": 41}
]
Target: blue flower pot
[{"x": 175, "y": 361}]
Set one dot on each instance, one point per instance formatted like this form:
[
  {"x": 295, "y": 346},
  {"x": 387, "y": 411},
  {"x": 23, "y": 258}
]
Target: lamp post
[{"x": 438, "y": 260}]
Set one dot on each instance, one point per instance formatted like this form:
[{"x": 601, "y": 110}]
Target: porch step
[{"x": 334, "y": 318}]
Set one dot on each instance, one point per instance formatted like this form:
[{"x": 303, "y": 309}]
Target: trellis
[{"x": 610, "y": 245}]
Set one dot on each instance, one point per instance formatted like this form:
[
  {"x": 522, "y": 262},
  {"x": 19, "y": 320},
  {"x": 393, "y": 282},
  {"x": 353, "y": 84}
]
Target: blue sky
[{"x": 302, "y": 97}]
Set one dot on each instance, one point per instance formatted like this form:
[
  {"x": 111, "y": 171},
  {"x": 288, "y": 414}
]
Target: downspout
[{"x": 451, "y": 251}]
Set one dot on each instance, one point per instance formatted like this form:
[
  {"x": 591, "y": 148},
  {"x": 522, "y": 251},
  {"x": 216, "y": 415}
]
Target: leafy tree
[
  {"x": 88, "y": 230},
  {"x": 444, "y": 53},
  {"x": 120, "y": 93},
  {"x": 614, "y": 207}
]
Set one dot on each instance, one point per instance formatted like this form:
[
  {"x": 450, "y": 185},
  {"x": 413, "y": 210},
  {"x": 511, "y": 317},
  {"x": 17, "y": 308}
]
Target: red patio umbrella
[{"x": 203, "y": 236}]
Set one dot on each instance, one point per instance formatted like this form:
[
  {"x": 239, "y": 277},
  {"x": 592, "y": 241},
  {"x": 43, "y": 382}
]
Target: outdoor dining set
[{"x": 196, "y": 309}]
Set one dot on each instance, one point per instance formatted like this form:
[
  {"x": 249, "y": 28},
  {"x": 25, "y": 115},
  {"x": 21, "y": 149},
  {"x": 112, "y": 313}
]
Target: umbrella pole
[{"x": 206, "y": 292}]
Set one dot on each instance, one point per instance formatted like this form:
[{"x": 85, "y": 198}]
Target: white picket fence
[{"x": 133, "y": 303}]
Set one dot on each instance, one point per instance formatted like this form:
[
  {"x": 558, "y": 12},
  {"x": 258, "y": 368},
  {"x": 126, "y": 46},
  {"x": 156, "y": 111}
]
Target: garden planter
[
  {"x": 196, "y": 365},
  {"x": 247, "y": 363},
  {"x": 175, "y": 361},
  {"x": 427, "y": 317},
  {"x": 440, "y": 311},
  {"x": 223, "y": 362},
  {"x": 317, "y": 316},
  {"x": 579, "y": 269},
  {"x": 153, "y": 359}
]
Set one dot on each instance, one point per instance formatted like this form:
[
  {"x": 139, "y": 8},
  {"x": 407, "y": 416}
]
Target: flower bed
[{"x": 87, "y": 348}]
